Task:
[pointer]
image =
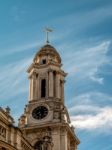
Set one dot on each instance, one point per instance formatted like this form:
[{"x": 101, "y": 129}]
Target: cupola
[{"x": 47, "y": 54}]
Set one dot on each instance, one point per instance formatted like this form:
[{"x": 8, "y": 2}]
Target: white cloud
[
  {"x": 83, "y": 108},
  {"x": 102, "y": 120},
  {"x": 92, "y": 111},
  {"x": 89, "y": 103}
]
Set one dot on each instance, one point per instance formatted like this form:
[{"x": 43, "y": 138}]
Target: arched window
[
  {"x": 3, "y": 148},
  {"x": 38, "y": 145},
  {"x": 44, "y": 61},
  {"x": 43, "y": 88}
]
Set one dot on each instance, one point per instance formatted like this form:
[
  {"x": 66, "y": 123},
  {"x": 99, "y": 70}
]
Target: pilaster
[
  {"x": 62, "y": 90},
  {"x": 63, "y": 139},
  {"x": 57, "y": 85},
  {"x": 51, "y": 84},
  {"x": 56, "y": 139}
]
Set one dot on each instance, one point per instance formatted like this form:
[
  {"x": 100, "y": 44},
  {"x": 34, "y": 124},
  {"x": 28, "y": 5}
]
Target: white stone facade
[{"x": 11, "y": 137}]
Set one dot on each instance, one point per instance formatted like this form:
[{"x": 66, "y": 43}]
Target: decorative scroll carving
[
  {"x": 2, "y": 131},
  {"x": 57, "y": 106},
  {"x": 56, "y": 115}
]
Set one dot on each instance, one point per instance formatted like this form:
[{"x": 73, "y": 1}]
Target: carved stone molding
[{"x": 2, "y": 131}]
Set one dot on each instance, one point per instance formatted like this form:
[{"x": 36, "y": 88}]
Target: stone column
[
  {"x": 57, "y": 85},
  {"x": 37, "y": 87},
  {"x": 62, "y": 90},
  {"x": 33, "y": 87},
  {"x": 30, "y": 88},
  {"x": 51, "y": 84}
]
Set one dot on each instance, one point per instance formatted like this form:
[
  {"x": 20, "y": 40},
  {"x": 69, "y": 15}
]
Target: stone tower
[{"x": 45, "y": 122}]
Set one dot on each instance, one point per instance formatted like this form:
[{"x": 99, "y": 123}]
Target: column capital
[
  {"x": 50, "y": 70},
  {"x": 57, "y": 72},
  {"x": 63, "y": 81},
  {"x": 33, "y": 75}
]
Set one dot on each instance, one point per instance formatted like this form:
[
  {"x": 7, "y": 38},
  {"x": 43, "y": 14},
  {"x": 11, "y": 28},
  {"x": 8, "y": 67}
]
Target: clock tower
[{"x": 45, "y": 122}]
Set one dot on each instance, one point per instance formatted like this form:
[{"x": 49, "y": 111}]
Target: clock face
[{"x": 40, "y": 112}]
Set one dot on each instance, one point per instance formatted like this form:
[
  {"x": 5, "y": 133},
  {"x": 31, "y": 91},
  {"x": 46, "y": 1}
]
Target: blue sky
[{"x": 83, "y": 37}]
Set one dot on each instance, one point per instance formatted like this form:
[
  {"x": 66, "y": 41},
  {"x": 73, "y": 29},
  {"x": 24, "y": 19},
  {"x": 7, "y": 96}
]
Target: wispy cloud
[
  {"x": 19, "y": 48},
  {"x": 82, "y": 20},
  {"x": 91, "y": 98},
  {"x": 13, "y": 77},
  {"x": 87, "y": 62}
]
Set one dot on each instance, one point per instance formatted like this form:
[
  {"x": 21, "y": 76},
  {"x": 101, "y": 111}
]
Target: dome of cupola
[{"x": 47, "y": 52}]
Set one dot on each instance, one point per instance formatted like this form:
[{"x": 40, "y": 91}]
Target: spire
[{"x": 47, "y": 30}]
